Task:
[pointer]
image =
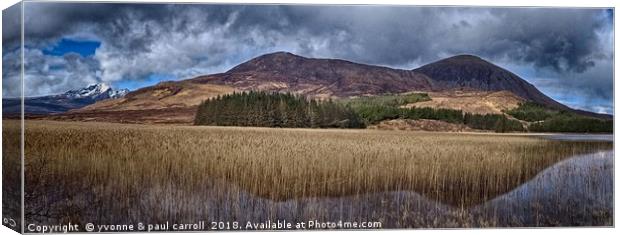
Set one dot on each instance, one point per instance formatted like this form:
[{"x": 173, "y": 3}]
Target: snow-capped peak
[
  {"x": 97, "y": 91},
  {"x": 118, "y": 93},
  {"x": 102, "y": 87}
]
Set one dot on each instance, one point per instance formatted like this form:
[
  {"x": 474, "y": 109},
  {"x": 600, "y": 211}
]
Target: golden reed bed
[{"x": 119, "y": 163}]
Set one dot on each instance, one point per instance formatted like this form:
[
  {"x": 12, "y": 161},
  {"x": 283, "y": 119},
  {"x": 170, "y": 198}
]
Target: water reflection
[
  {"x": 573, "y": 192},
  {"x": 577, "y": 191},
  {"x": 580, "y": 137}
]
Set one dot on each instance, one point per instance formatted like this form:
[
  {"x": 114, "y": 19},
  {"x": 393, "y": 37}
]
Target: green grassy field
[{"x": 111, "y": 172}]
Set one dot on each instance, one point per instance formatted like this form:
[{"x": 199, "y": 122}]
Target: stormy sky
[{"x": 567, "y": 53}]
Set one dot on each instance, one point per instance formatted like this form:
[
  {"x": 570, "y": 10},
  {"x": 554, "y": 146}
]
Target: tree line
[
  {"x": 573, "y": 123},
  {"x": 531, "y": 112},
  {"x": 545, "y": 119},
  {"x": 374, "y": 114},
  {"x": 270, "y": 109}
]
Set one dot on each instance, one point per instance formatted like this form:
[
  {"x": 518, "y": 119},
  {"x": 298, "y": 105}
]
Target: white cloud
[{"x": 46, "y": 74}]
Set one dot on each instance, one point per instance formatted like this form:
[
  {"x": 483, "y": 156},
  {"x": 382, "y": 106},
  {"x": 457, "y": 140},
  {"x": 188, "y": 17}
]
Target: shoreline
[{"x": 490, "y": 133}]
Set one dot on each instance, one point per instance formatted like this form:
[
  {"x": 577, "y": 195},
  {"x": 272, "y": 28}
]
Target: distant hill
[
  {"x": 478, "y": 74},
  {"x": 73, "y": 99},
  {"x": 327, "y": 78},
  {"x": 472, "y": 72}
]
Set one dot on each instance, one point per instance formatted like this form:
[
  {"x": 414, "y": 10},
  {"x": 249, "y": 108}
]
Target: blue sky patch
[
  {"x": 152, "y": 79},
  {"x": 64, "y": 46}
]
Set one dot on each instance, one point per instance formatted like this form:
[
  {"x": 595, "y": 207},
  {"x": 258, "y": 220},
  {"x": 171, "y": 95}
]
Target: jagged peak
[{"x": 95, "y": 89}]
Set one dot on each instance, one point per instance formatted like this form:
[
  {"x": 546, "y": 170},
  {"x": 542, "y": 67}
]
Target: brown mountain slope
[
  {"x": 479, "y": 102},
  {"x": 473, "y": 72},
  {"x": 162, "y": 95},
  {"x": 286, "y": 72},
  {"x": 468, "y": 71},
  {"x": 164, "y": 103}
]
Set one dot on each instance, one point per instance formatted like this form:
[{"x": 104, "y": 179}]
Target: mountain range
[
  {"x": 60, "y": 103},
  {"x": 175, "y": 101}
]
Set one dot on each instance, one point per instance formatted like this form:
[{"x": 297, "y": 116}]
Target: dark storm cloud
[
  {"x": 11, "y": 26},
  {"x": 187, "y": 40},
  {"x": 561, "y": 39},
  {"x": 564, "y": 40}
]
